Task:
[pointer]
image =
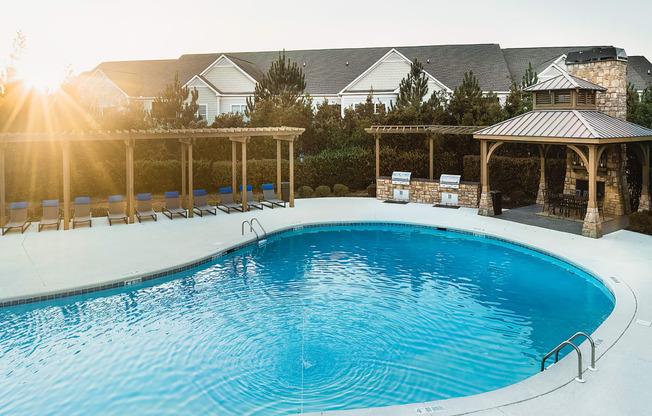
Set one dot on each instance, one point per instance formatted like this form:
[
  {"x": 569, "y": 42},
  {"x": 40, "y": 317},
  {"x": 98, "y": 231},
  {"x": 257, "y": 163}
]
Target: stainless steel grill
[
  {"x": 449, "y": 181},
  {"x": 401, "y": 178}
]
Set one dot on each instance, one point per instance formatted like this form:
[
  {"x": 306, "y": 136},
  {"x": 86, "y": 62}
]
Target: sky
[{"x": 82, "y": 33}]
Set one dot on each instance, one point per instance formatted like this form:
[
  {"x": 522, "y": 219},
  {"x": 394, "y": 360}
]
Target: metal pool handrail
[
  {"x": 583, "y": 334},
  {"x": 579, "y": 359},
  {"x": 251, "y": 228}
]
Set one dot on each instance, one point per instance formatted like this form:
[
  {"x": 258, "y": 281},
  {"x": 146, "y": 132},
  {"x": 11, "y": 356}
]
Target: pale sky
[{"x": 84, "y": 33}]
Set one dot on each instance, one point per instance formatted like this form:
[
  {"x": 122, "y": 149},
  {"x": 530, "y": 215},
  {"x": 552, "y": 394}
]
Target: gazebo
[
  {"x": 565, "y": 113},
  {"x": 187, "y": 137}
]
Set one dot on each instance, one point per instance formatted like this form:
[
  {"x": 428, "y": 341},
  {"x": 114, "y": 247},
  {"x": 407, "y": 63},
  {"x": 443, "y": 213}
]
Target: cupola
[{"x": 565, "y": 92}]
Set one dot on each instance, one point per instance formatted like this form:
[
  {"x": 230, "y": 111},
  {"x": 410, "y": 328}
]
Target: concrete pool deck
[{"x": 36, "y": 264}]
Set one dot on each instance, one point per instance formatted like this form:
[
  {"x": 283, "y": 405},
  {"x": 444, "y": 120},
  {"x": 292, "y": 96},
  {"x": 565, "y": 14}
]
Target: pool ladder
[
  {"x": 559, "y": 347},
  {"x": 252, "y": 229}
]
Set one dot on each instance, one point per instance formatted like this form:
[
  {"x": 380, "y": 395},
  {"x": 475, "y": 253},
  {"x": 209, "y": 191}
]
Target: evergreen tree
[
  {"x": 530, "y": 78},
  {"x": 413, "y": 88},
  {"x": 518, "y": 101},
  {"x": 467, "y": 101},
  {"x": 632, "y": 101},
  {"x": 172, "y": 110},
  {"x": 283, "y": 85},
  {"x": 643, "y": 113}
]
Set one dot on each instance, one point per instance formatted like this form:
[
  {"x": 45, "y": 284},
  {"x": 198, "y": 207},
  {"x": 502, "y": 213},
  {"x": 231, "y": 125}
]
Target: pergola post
[
  {"x": 184, "y": 176},
  {"x": 432, "y": 154},
  {"x": 644, "y": 202},
  {"x": 377, "y": 136},
  {"x": 278, "y": 168},
  {"x": 191, "y": 198},
  {"x": 243, "y": 193},
  {"x": 543, "y": 150},
  {"x": 3, "y": 196},
  {"x": 66, "y": 185},
  {"x": 234, "y": 167},
  {"x": 592, "y": 226},
  {"x": 130, "y": 179},
  {"x": 291, "y": 157},
  {"x": 486, "y": 207}
]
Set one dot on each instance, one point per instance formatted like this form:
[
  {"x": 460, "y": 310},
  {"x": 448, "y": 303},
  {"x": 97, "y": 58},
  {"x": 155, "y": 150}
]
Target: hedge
[
  {"x": 509, "y": 174},
  {"x": 641, "y": 222}
]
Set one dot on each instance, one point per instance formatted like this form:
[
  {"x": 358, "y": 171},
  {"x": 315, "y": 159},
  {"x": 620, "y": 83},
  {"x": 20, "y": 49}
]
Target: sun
[{"x": 38, "y": 76}]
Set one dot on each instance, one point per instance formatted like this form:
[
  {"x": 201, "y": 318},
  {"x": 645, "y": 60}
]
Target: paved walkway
[{"x": 35, "y": 264}]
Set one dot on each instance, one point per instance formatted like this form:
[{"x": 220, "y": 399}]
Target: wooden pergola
[
  {"x": 187, "y": 137},
  {"x": 430, "y": 130}
]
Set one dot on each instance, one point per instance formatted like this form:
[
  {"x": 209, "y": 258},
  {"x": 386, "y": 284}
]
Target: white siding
[
  {"x": 208, "y": 98},
  {"x": 227, "y": 78},
  {"x": 385, "y": 76},
  {"x": 351, "y": 100},
  {"x": 104, "y": 93},
  {"x": 226, "y": 102}
]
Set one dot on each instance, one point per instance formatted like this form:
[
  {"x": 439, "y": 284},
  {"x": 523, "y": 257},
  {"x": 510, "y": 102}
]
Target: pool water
[{"x": 325, "y": 318}]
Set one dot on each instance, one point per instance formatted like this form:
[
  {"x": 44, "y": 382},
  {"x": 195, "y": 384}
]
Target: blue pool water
[{"x": 319, "y": 319}]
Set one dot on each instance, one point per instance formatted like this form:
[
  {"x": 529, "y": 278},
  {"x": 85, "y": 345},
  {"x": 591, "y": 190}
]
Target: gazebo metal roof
[
  {"x": 564, "y": 81},
  {"x": 566, "y": 126}
]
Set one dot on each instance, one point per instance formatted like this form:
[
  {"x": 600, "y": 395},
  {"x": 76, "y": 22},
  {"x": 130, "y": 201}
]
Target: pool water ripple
[{"x": 327, "y": 318}]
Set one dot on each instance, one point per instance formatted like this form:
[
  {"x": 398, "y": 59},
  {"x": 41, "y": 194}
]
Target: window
[
  {"x": 202, "y": 111},
  {"x": 240, "y": 108}
]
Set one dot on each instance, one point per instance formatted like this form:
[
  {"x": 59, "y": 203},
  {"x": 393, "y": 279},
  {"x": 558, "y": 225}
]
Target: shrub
[
  {"x": 641, "y": 222},
  {"x": 340, "y": 190},
  {"x": 306, "y": 192},
  {"x": 371, "y": 190},
  {"x": 322, "y": 191},
  {"x": 517, "y": 197}
]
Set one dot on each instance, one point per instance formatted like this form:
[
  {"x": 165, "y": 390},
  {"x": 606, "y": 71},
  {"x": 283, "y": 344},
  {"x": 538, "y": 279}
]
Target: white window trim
[{"x": 206, "y": 112}]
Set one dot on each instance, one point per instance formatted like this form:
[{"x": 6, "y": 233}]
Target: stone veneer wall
[
  {"x": 614, "y": 202},
  {"x": 613, "y": 76},
  {"x": 426, "y": 191}
]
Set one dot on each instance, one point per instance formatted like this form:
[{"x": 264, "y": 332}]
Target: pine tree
[
  {"x": 171, "y": 108},
  {"x": 530, "y": 78},
  {"x": 283, "y": 85},
  {"x": 632, "y": 101},
  {"x": 413, "y": 88}
]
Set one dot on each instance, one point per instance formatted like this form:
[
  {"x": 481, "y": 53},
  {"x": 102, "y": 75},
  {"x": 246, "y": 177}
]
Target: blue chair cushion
[
  {"x": 116, "y": 198},
  {"x": 83, "y": 200},
  {"x": 18, "y": 205},
  {"x": 199, "y": 192},
  {"x": 50, "y": 202},
  {"x": 249, "y": 188},
  {"x": 268, "y": 186},
  {"x": 228, "y": 190},
  {"x": 144, "y": 197},
  {"x": 173, "y": 194}
]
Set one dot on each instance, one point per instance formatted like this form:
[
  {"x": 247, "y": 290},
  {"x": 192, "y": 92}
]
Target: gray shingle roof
[
  {"x": 639, "y": 71},
  {"x": 564, "y": 82},
  {"x": 328, "y": 71},
  {"x": 570, "y": 124}
]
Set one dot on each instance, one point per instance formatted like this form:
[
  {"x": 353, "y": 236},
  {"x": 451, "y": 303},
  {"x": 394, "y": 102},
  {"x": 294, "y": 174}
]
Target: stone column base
[
  {"x": 644, "y": 203},
  {"x": 540, "y": 198},
  {"x": 486, "y": 207},
  {"x": 592, "y": 226}
]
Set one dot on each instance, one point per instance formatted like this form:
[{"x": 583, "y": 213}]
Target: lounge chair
[
  {"x": 82, "y": 211},
  {"x": 251, "y": 202},
  {"x": 227, "y": 204},
  {"x": 17, "y": 218},
  {"x": 201, "y": 204},
  {"x": 172, "y": 205},
  {"x": 116, "y": 209},
  {"x": 51, "y": 214},
  {"x": 269, "y": 198},
  {"x": 145, "y": 207}
]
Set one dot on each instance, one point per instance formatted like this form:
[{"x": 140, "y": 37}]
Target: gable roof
[
  {"x": 639, "y": 71},
  {"x": 140, "y": 78},
  {"x": 564, "y": 81},
  {"x": 567, "y": 124},
  {"x": 328, "y": 71}
]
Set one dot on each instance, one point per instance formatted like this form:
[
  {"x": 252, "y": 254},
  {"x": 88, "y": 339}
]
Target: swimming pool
[{"x": 317, "y": 319}]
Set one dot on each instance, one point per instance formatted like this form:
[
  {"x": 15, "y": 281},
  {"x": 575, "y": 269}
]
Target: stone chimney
[{"x": 605, "y": 66}]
